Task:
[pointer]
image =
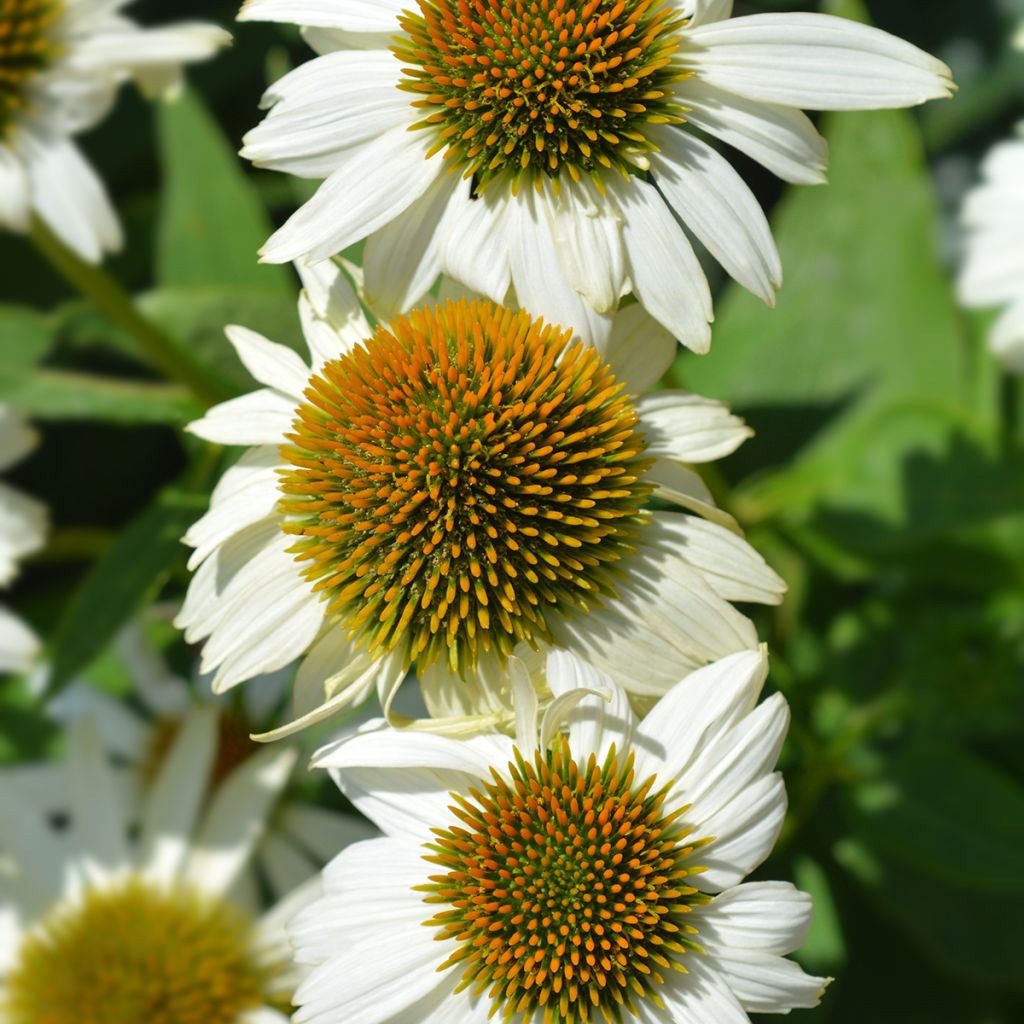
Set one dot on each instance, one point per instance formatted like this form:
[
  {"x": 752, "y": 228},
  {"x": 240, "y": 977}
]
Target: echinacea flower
[
  {"x": 452, "y": 485},
  {"x": 591, "y": 869},
  {"x": 22, "y": 530},
  {"x": 139, "y": 734},
  {"x": 993, "y": 268},
  {"x": 549, "y": 148},
  {"x": 61, "y": 63},
  {"x": 109, "y": 918}
]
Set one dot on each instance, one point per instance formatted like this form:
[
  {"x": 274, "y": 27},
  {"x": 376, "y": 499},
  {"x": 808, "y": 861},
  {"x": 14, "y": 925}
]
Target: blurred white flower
[
  {"x": 590, "y": 870},
  {"x": 453, "y": 485},
  {"x": 139, "y": 734},
  {"x": 993, "y": 266},
  {"x": 121, "y": 919},
  {"x": 542, "y": 148},
  {"x": 61, "y": 63},
  {"x": 23, "y": 524}
]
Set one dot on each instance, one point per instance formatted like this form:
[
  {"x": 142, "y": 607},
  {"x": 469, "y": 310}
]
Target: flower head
[
  {"x": 588, "y": 870},
  {"x": 546, "y": 150},
  {"x": 460, "y": 484},
  {"x": 993, "y": 269},
  {"x": 61, "y": 62},
  {"x": 123, "y": 914}
]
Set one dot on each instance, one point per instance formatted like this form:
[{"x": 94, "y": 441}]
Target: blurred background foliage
[{"x": 886, "y": 483}]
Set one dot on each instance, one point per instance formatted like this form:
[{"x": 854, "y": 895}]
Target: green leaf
[
  {"x": 125, "y": 579},
  {"x": 59, "y": 394},
  {"x": 824, "y": 949},
  {"x": 25, "y": 338},
  {"x": 944, "y": 813},
  {"x": 212, "y": 223},
  {"x": 969, "y": 934},
  {"x": 894, "y": 477},
  {"x": 198, "y": 316}
]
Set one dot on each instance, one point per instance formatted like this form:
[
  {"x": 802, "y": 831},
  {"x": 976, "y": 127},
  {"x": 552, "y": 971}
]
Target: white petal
[
  {"x": 639, "y": 349},
  {"x": 681, "y": 486},
  {"x": 596, "y": 723},
  {"x": 814, "y": 61},
  {"x": 14, "y": 191},
  {"x": 120, "y": 728},
  {"x": 768, "y": 984},
  {"x": 323, "y": 832},
  {"x": 351, "y": 15},
  {"x": 332, "y": 318},
  {"x": 70, "y": 198},
  {"x": 780, "y": 138},
  {"x": 690, "y": 428},
  {"x": 172, "y": 806},
  {"x": 730, "y": 566},
  {"x": 710, "y": 700},
  {"x": 372, "y": 185},
  {"x": 665, "y": 620},
  {"x": 260, "y": 417},
  {"x": 1007, "y": 337},
  {"x": 324, "y": 108},
  {"x": 245, "y": 494},
  {"x": 236, "y": 818},
  {"x": 589, "y": 240},
  {"x": 745, "y": 831},
  {"x": 701, "y": 996},
  {"x": 764, "y": 917},
  {"x": 269, "y": 363},
  {"x": 23, "y": 528},
  {"x": 716, "y": 205},
  {"x": 403, "y": 259},
  {"x": 666, "y": 275},
  {"x": 703, "y": 12},
  {"x": 97, "y": 814},
  {"x": 475, "y": 250},
  {"x": 540, "y": 282}
]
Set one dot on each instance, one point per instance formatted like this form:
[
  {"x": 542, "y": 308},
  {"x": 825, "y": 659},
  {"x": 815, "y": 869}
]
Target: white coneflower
[
  {"x": 61, "y": 63},
  {"x": 548, "y": 148},
  {"x": 993, "y": 269},
  {"x": 22, "y": 531},
  {"x": 112, "y": 920},
  {"x": 589, "y": 870},
  {"x": 455, "y": 484}
]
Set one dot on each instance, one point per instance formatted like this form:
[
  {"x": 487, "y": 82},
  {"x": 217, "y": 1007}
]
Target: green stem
[{"x": 111, "y": 299}]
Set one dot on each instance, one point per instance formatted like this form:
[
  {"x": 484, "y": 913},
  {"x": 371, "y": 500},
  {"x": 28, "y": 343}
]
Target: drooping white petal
[
  {"x": 676, "y": 483},
  {"x": 540, "y": 282},
  {"x": 470, "y": 225},
  {"x": 373, "y": 183},
  {"x": 69, "y": 197},
  {"x": 23, "y": 528},
  {"x": 332, "y": 319},
  {"x": 19, "y": 645},
  {"x": 15, "y": 205},
  {"x": 780, "y": 138},
  {"x": 718, "y": 207},
  {"x": 403, "y": 259},
  {"x": 814, "y": 61},
  {"x": 589, "y": 237},
  {"x": 666, "y": 275},
  {"x": 173, "y": 802},
  {"x": 639, "y": 349},
  {"x": 235, "y": 820},
  {"x": 701, "y": 996},
  {"x": 97, "y": 815}
]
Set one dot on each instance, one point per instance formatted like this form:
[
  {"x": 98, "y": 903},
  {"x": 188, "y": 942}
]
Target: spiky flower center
[
  {"x": 565, "y": 889},
  {"x": 459, "y": 478},
  {"x": 539, "y": 87},
  {"x": 26, "y": 48},
  {"x": 135, "y": 953}
]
